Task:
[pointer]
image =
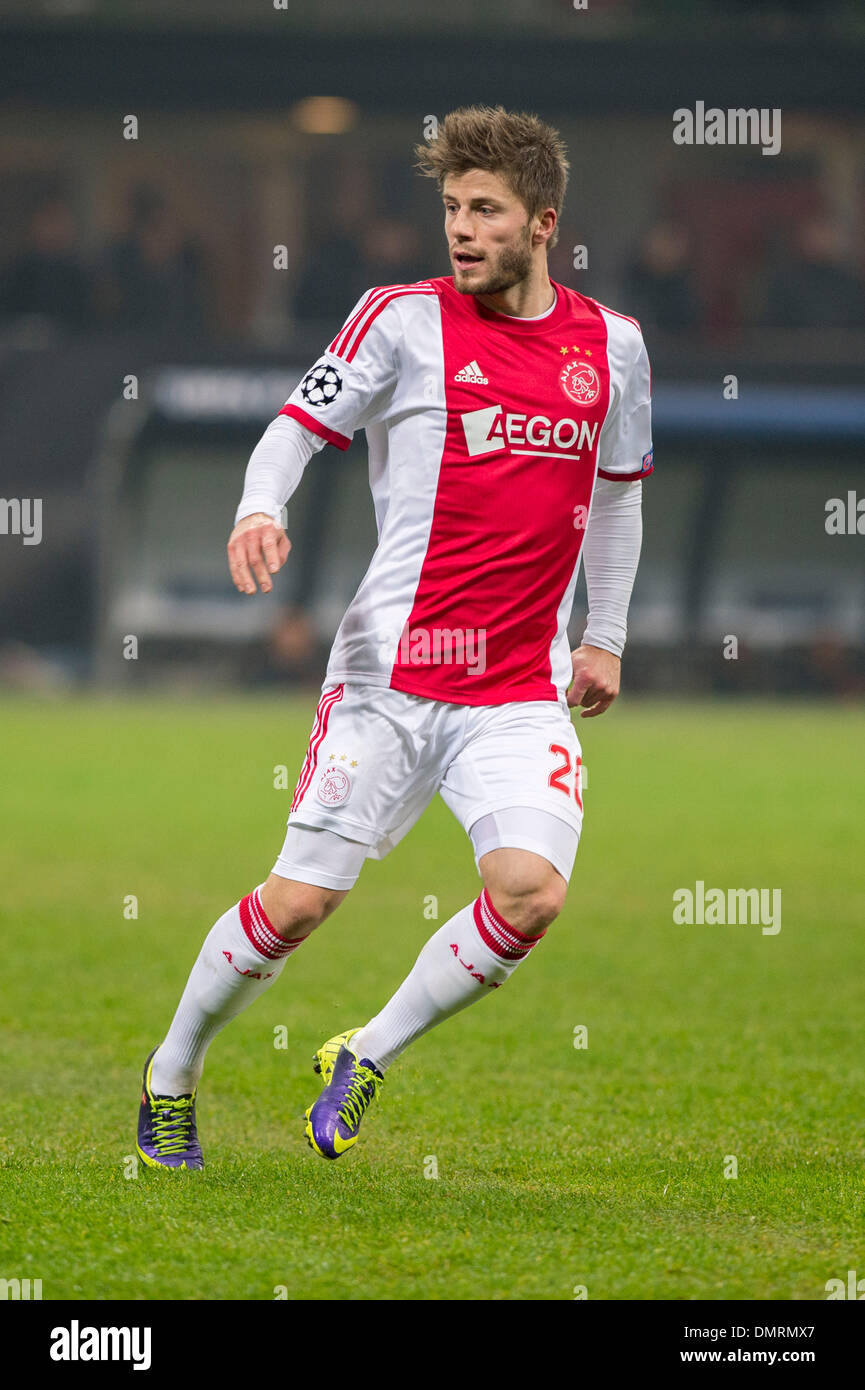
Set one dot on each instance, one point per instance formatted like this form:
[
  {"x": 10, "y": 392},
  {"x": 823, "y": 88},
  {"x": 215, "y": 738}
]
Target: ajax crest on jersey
[
  {"x": 321, "y": 385},
  {"x": 334, "y": 786},
  {"x": 580, "y": 382}
]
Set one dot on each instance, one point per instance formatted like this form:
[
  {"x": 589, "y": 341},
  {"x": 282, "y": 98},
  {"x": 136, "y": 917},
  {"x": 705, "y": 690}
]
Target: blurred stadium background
[
  {"x": 153, "y": 259},
  {"x": 262, "y": 127}
]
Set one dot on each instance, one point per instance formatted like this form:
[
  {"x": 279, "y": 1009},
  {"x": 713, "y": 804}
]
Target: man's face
[{"x": 489, "y": 233}]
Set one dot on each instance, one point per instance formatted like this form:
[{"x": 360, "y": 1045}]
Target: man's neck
[{"x": 526, "y": 300}]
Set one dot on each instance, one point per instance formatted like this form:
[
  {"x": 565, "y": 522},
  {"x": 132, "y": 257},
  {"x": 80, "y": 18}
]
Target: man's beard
[{"x": 514, "y": 265}]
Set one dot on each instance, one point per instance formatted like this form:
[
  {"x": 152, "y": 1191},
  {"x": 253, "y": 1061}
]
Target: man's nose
[{"x": 461, "y": 226}]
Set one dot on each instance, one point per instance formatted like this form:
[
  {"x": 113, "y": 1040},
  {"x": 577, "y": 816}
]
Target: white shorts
[{"x": 377, "y": 757}]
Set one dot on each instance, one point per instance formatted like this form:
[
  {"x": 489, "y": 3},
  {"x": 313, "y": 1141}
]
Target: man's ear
[{"x": 545, "y": 228}]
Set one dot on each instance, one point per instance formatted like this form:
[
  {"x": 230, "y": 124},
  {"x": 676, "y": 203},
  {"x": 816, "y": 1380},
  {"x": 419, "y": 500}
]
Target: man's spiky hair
[{"x": 527, "y": 154}]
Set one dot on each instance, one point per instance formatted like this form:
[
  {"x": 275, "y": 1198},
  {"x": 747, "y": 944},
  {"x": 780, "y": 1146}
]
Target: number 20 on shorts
[{"x": 566, "y": 769}]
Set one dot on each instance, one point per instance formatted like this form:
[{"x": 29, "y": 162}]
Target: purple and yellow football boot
[
  {"x": 351, "y": 1084},
  {"x": 167, "y": 1136}
]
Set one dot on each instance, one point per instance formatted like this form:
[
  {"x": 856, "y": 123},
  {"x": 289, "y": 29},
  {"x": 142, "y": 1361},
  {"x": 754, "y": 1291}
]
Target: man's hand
[
  {"x": 256, "y": 546},
  {"x": 596, "y": 680}
]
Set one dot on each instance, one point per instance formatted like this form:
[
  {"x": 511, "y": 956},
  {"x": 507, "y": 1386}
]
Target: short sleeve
[
  {"x": 351, "y": 384},
  {"x": 625, "y": 452}
]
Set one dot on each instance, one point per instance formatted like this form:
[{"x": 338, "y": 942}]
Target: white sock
[
  {"x": 241, "y": 957},
  {"x": 473, "y": 953}
]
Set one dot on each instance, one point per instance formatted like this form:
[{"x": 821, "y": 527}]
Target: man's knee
[
  {"x": 294, "y": 908},
  {"x": 524, "y": 888}
]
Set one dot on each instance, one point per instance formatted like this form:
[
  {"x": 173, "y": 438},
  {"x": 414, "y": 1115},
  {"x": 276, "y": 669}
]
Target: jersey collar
[{"x": 506, "y": 324}]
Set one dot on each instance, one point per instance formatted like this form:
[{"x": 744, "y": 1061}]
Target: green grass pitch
[{"x": 558, "y": 1167}]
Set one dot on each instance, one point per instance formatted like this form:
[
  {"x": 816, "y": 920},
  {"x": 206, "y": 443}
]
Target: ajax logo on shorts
[{"x": 334, "y": 786}]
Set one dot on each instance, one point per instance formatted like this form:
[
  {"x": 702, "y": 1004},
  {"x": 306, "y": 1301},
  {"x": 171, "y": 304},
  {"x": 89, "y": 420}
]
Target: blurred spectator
[
  {"x": 658, "y": 286},
  {"x": 291, "y": 651},
  {"x": 391, "y": 252},
  {"x": 833, "y": 667},
  {"x": 330, "y": 279},
  {"x": 340, "y": 267},
  {"x": 154, "y": 272},
  {"x": 814, "y": 288},
  {"x": 48, "y": 278}
]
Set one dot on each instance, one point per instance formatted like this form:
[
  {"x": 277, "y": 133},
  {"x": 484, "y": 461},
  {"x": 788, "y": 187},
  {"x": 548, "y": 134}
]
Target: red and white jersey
[{"x": 485, "y": 435}]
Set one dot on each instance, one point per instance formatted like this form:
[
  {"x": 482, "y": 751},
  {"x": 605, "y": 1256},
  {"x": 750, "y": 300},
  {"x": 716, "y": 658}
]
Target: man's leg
[
  {"x": 247, "y": 948},
  {"x": 524, "y": 850},
  {"x": 490, "y": 757},
  {"x": 472, "y": 954},
  {"x": 475, "y": 952},
  {"x": 242, "y": 956}
]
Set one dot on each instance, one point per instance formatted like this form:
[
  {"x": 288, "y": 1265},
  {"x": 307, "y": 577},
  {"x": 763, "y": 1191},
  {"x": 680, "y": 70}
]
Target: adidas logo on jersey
[{"x": 472, "y": 373}]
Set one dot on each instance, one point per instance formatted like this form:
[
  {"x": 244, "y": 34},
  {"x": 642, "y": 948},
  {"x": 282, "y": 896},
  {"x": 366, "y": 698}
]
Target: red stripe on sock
[
  {"x": 505, "y": 941},
  {"x": 260, "y": 931}
]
